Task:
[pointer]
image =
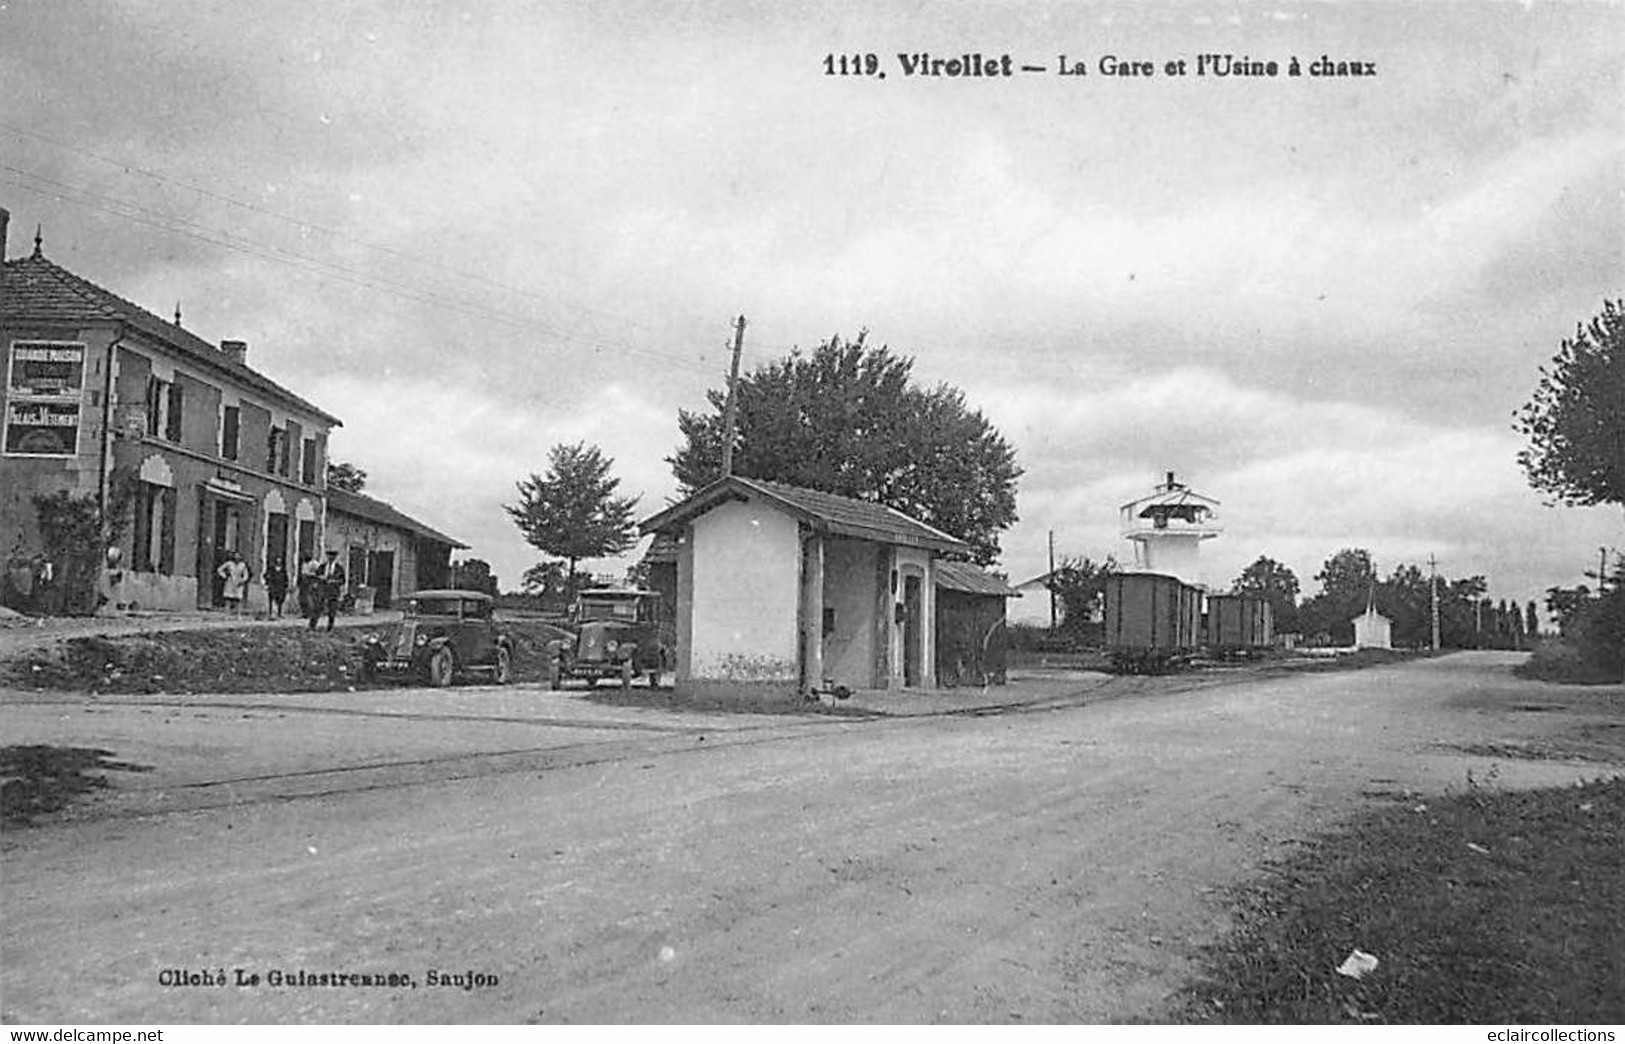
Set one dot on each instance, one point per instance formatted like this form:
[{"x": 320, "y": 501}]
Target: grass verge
[
  {"x": 239, "y": 659},
  {"x": 1555, "y": 661},
  {"x": 1482, "y": 907}
]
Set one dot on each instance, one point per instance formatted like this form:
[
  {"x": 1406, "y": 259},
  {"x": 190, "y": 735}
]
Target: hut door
[{"x": 913, "y": 631}]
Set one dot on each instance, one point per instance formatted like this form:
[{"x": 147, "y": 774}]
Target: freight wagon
[
  {"x": 1153, "y": 621},
  {"x": 1238, "y": 625}
]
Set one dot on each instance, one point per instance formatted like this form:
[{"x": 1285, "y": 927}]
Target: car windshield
[
  {"x": 433, "y": 607},
  {"x": 609, "y": 609}
]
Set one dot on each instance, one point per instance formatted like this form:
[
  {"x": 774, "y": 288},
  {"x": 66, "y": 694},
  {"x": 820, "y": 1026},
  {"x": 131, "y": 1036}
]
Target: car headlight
[
  {"x": 423, "y": 639},
  {"x": 611, "y": 645},
  {"x": 372, "y": 639}
]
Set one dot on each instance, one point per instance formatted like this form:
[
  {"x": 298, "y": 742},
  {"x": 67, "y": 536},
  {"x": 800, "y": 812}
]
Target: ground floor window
[{"x": 155, "y": 529}]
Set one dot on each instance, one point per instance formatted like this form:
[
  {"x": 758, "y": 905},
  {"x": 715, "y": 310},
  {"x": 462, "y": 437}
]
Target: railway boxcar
[
  {"x": 1153, "y": 621},
  {"x": 1239, "y": 624}
]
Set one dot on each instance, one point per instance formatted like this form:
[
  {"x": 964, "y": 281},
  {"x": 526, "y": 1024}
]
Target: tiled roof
[
  {"x": 843, "y": 516},
  {"x": 35, "y": 289},
  {"x": 962, "y": 576},
  {"x": 662, "y": 550},
  {"x": 374, "y": 510}
]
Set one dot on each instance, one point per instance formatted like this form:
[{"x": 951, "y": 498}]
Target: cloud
[
  {"x": 1297, "y": 480},
  {"x": 450, "y": 456}
]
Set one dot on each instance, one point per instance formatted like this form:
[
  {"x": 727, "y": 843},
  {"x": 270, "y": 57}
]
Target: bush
[{"x": 1598, "y": 632}]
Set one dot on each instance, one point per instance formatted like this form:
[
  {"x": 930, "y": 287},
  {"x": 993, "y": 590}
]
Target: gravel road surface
[{"x": 571, "y": 862}]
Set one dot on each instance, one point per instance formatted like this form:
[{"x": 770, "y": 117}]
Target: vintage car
[
  {"x": 618, "y": 635},
  {"x": 443, "y": 634}
]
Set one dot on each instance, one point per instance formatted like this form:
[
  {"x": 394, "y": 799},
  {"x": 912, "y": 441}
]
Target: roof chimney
[
  {"x": 1171, "y": 480},
  {"x": 236, "y": 351},
  {"x": 5, "y": 225}
]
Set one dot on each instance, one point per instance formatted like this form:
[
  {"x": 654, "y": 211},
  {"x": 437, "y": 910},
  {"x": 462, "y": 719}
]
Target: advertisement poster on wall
[{"x": 43, "y": 385}]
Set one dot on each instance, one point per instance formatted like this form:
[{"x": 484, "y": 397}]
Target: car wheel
[
  {"x": 626, "y": 674},
  {"x": 442, "y": 666},
  {"x": 504, "y": 671},
  {"x": 554, "y": 679}
]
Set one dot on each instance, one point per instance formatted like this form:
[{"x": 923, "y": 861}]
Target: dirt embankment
[{"x": 259, "y": 659}]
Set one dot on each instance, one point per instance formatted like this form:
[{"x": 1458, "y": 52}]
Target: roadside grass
[
  {"x": 262, "y": 659},
  {"x": 1481, "y": 907},
  {"x": 1556, "y": 661}
]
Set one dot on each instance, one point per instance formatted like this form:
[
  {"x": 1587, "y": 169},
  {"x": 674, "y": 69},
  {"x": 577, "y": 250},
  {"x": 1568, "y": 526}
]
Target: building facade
[
  {"x": 387, "y": 554},
  {"x": 782, "y": 591},
  {"x": 191, "y": 452}
]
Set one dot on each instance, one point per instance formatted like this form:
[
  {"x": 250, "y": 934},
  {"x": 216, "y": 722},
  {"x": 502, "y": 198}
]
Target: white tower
[{"x": 1168, "y": 527}]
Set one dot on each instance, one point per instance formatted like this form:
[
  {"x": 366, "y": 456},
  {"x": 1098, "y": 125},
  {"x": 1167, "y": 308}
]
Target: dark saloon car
[
  {"x": 618, "y": 636},
  {"x": 443, "y": 634}
]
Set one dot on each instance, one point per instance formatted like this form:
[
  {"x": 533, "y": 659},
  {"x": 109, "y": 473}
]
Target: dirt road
[{"x": 602, "y": 864}]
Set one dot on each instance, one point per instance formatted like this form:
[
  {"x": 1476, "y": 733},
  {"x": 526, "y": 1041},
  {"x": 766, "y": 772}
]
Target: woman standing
[{"x": 233, "y": 573}]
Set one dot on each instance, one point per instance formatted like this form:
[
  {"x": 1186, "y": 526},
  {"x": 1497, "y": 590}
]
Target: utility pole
[
  {"x": 731, "y": 410},
  {"x": 1602, "y": 568},
  {"x": 1050, "y": 582},
  {"x": 1433, "y": 584}
]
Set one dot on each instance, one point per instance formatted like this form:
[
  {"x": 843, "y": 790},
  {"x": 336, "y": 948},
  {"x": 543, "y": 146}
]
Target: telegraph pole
[
  {"x": 1433, "y": 584},
  {"x": 1051, "y": 580},
  {"x": 730, "y": 411}
]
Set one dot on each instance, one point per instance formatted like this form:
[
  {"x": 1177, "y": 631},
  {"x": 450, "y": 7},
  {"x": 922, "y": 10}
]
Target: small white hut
[{"x": 1372, "y": 630}]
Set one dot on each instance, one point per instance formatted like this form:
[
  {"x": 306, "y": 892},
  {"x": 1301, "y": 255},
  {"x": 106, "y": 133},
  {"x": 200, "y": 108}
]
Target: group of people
[{"x": 320, "y": 586}]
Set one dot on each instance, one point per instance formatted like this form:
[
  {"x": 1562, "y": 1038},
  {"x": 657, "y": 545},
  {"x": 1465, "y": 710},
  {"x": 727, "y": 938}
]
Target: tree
[
  {"x": 1531, "y": 620},
  {"x": 474, "y": 574},
  {"x": 1407, "y": 601},
  {"x": 847, "y": 419},
  {"x": 1347, "y": 581},
  {"x": 1565, "y": 603},
  {"x": 1079, "y": 584},
  {"x": 544, "y": 578},
  {"x": 1277, "y": 585},
  {"x": 346, "y": 477},
  {"x": 1575, "y": 421},
  {"x": 573, "y": 513}
]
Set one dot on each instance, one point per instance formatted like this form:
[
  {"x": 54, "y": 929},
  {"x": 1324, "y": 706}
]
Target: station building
[{"x": 197, "y": 453}]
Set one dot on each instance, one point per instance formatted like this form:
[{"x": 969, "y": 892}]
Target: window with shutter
[
  {"x": 172, "y": 424},
  {"x": 166, "y": 536},
  {"x": 230, "y": 426}
]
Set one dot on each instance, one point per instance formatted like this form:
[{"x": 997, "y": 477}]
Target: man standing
[
  {"x": 276, "y": 585},
  {"x": 329, "y": 587}
]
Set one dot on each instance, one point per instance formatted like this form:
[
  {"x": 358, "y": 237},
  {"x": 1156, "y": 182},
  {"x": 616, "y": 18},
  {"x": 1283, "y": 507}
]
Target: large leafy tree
[
  {"x": 1575, "y": 421},
  {"x": 572, "y": 513},
  {"x": 847, "y": 418},
  {"x": 1276, "y": 584}
]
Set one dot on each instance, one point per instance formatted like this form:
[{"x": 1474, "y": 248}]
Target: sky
[{"x": 475, "y": 230}]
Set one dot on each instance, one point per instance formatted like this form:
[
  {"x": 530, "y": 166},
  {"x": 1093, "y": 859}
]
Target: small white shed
[{"x": 1372, "y": 630}]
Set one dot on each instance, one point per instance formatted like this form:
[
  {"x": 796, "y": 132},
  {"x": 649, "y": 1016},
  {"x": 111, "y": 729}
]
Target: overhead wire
[
  {"x": 130, "y": 210},
  {"x": 305, "y": 225}
]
